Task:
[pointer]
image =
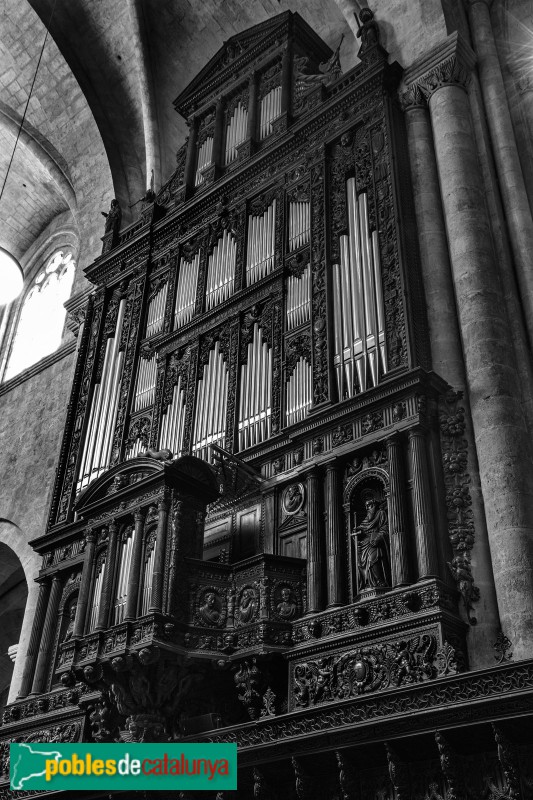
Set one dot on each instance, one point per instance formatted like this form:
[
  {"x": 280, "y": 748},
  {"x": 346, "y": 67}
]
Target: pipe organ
[
  {"x": 211, "y": 402},
  {"x": 186, "y": 290},
  {"x": 275, "y": 298},
  {"x": 261, "y": 244},
  {"x": 221, "y": 271},
  {"x": 298, "y": 392},
  {"x": 148, "y": 574},
  {"x": 235, "y": 132},
  {"x": 270, "y": 110},
  {"x": 255, "y": 393},
  {"x": 299, "y": 223},
  {"x": 122, "y": 580},
  {"x": 359, "y": 317},
  {"x": 155, "y": 314},
  {"x": 298, "y": 302},
  {"x": 173, "y": 421},
  {"x": 205, "y": 158},
  {"x": 103, "y": 410}
]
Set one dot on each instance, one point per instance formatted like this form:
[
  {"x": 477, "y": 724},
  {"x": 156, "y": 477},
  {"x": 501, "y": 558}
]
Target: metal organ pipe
[
  {"x": 298, "y": 392},
  {"x": 255, "y": 395},
  {"x": 186, "y": 291},
  {"x": 145, "y": 385},
  {"x": 210, "y": 418},
  {"x": 235, "y": 132},
  {"x": 359, "y": 312},
  {"x": 205, "y": 157},
  {"x": 261, "y": 244},
  {"x": 148, "y": 579},
  {"x": 221, "y": 271},
  {"x": 99, "y": 434},
  {"x": 156, "y": 312},
  {"x": 122, "y": 582},
  {"x": 298, "y": 299},
  {"x": 172, "y": 423},
  {"x": 299, "y": 224},
  {"x": 97, "y": 596},
  {"x": 270, "y": 110}
]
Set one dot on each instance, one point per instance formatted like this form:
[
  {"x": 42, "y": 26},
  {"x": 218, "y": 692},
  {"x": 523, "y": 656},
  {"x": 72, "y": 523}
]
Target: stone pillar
[
  {"x": 397, "y": 528},
  {"x": 85, "y": 588},
  {"x": 35, "y": 638},
  {"x": 134, "y": 577},
  {"x": 47, "y": 637},
  {"x": 426, "y": 550},
  {"x": 511, "y": 181},
  {"x": 500, "y": 431},
  {"x": 334, "y": 538},
  {"x": 108, "y": 580},
  {"x": 314, "y": 542},
  {"x": 156, "y": 601},
  {"x": 190, "y": 158}
]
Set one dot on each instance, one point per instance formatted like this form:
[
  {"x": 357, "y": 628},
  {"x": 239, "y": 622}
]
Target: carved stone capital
[{"x": 449, "y": 64}]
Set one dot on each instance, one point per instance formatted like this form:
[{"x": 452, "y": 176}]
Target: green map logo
[{"x": 121, "y": 766}]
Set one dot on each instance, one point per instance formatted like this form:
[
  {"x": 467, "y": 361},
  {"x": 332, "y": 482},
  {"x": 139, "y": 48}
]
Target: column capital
[
  {"x": 448, "y": 64},
  {"x": 90, "y": 535}
]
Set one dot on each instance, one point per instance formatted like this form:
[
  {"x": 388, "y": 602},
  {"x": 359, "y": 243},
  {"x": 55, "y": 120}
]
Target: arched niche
[{"x": 368, "y": 550}]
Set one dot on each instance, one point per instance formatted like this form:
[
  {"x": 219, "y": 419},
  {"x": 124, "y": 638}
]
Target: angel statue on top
[{"x": 371, "y": 542}]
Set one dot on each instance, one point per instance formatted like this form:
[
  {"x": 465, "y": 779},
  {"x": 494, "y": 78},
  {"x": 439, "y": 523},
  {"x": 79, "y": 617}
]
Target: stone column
[
  {"x": 500, "y": 431},
  {"x": 35, "y": 638},
  {"x": 85, "y": 588},
  {"x": 514, "y": 195},
  {"x": 156, "y": 601},
  {"x": 397, "y": 528},
  {"x": 334, "y": 538},
  {"x": 134, "y": 577},
  {"x": 426, "y": 550},
  {"x": 47, "y": 637},
  {"x": 314, "y": 542},
  {"x": 108, "y": 580}
]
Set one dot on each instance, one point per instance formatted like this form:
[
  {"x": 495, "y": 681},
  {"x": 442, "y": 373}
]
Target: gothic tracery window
[{"x": 42, "y": 316}]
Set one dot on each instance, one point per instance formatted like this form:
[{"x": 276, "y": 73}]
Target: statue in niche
[
  {"x": 248, "y": 606},
  {"x": 287, "y": 607},
  {"x": 112, "y": 218},
  {"x": 210, "y": 610},
  {"x": 70, "y": 627},
  {"x": 371, "y": 541}
]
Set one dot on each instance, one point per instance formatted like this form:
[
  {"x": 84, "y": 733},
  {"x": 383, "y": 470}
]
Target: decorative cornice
[
  {"x": 76, "y": 307},
  {"x": 448, "y": 64}
]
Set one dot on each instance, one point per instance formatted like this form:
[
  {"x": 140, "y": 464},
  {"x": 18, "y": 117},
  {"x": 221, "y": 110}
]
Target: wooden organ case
[{"x": 250, "y": 507}]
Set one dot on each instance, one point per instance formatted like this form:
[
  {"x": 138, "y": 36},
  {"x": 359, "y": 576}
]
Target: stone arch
[{"x": 21, "y": 562}]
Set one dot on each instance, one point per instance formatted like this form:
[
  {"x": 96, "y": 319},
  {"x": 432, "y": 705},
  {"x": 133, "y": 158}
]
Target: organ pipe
[
  {"x": 123, "y": 577},
  {"x": 235, "y": 132},
  {"x": 145, "y": 385},
  {"x": 211, "y": 402},
  {"x": 97, "y": 594},
  {"x": 359, "y": 314},
  {"x": 299, "y": 224},
  {"x": 298, "y": 392},
  {"x": 270, "y": 110},
  {"x": 148, "y": 579},
  {"x": 255, "y": 393},
  {"x": 221, "y": 271},
  {"x": 172, "y": 423},
  {"x": 298, "y": 299},
  {"x": 261, "y": 244},
  {"x": 156, "y": 312},
  {"x": 186, "y": 290},
  {"x": 205, "y": 157},
  {"x": 96, "y": 452}
]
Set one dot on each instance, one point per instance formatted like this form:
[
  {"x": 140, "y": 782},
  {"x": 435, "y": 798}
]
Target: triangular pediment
[{"x": 238, "y": 51}]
